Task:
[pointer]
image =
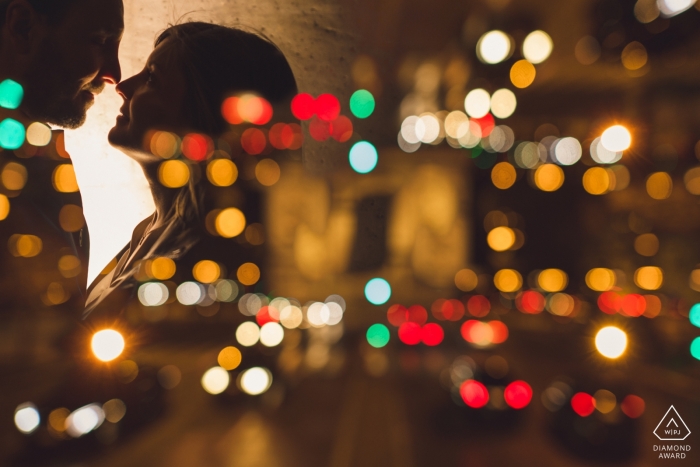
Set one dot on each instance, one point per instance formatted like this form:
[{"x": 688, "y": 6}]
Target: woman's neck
[{"x": 163, "y": 197}]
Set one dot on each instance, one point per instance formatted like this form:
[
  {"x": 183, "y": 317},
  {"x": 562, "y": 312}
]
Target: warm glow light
[
  {"x": 600, "y": 279},
  {"x": 230, "y": 222},
  {"x": 256, "y": 380},
  {"x": 501, "y": 238},
  {"x": 522, "y": 74},
  {"x": 163, "y": 268},
  {"x": 477, "y": 103},
  {"x": 508, "y": 280},
  {"x": 222, "y": 172},
  {"x": 669, "y": 8},
  {"x": 596, "y": 181},
  {"x": 267, "y": 172},
  {"x": 229, "y": 358},
  {"x": 503, "y": 175},
  {"x": 64, "y": 180},
  {"x": 215, "y": 380},
  {"x": 552, "y": 280},
  {"x": 13, "y": 176},
  {"x": 634, "y": 56},
  {"x": 27, "y": 418},
  {"x": 648, "y": 277},
  {"x": 466, "y": 280},
  {"x": 248, "y": 274},
  {"x": 549, "y": 177},
  {"x": 4, "y": 207},
  {"x": 537, "y": 47},
  {"x": 611, "y": 342},
  {"x": 503, "y": 103},
  {"x": 248, "y": 334},
  {"x": 206, "y": 271},
  {"x": 107, "y": 345},
  {"x": 617, "y": 138},
  {"x": 659, "y": 185},
  {"x": 493, "y": 47},
  {"x": 173, "y": 174},
  {"x": 38, "y": 134}
]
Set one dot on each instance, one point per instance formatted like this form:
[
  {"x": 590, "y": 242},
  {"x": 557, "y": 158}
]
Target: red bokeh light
[
  {"x": 633, "y": 406},
  {"x": 452, "y": 310},
  {"x": 583, "y": 404},
  {"x": 341, "y": 129},
  {"x": 479, "y": 306},
  {"x": 195, "y": 147},
  {"x": 263, "y": 316},
  {"x": 276, "y": 136},
  {"x": 609, "y": 302},
  {"x": 410, "y": 333},
  {"x": 229, "y": 110},
  {"x": 633, "y": 305},
  {"x": 531, "y": 302},
  {"x": 253, "y": 141},
  {"x": 327, "y": 107},
  {"x": 474, "y": 394},
  {"x": 259, "y": 111},
  {"x": 303, "y": 106},
  {"x": 295, "y": 136},
  {"x": 397, "y": 314},
  {"x": 320, "y": 130},
  {"x": 432, "y": 334},
  {"x": 417, "y": 314},
  {"x": 486, "y": 123},
  {"x": 518, "y": 394},
  {"x": 500, "y": 332}
]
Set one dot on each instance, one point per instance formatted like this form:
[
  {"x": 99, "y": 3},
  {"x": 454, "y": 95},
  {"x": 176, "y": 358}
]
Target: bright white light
[
  {"x": 38, "y": 134},
  {"x": 473, "y": 136},
  {"x": 226, "y": 290},
  {"x": 602, "y": 155},
  {"x": 215, "y": 380},
  {"x": 337, "y": 299},
  {"x": 568, "y": 151},
  {"x": 189, "y": 293},
  {"x": 256, "y": 380},
  {"x": 27, "y": 418},
  {"x": 493, "y": 47},
  {"x": 331, "y": 313},
  {"x": 406, "y": 146},
  {"x": 271, "y": 334},
  {"x": 84, "y": 420},
  {"x": 410, "y": 129},
  {"x": 670, "y": 8},
  {"x": 430, "y": 128},
  {"x": 477, "y": 103},
  {"x": 503, "y": 103},
  {"x": 153, "y": 294},
  {"x": 291, "y": 317},
  {"x": 456, "y": 124},
  {"x": 616, "y": 138},
  {"x": 313, "y": 314},
  {"x": 537, "y": 47},
  {"x": 611, "y": 341},
  {"x": 248, "y": 334},
  {"x": 107, "y": 345}
]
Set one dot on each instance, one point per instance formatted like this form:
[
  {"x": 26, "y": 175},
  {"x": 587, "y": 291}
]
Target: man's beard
[{"x": 51, "y": 99}]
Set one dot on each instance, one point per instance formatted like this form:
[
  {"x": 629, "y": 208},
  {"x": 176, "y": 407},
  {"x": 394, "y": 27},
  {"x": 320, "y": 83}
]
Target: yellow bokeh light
[
  {"x": 267, "y": 172},
  {"x": 25, "y": 246},
  {"x": 206, "y": 271},
  {"x": 549, "y": 177},
  {"x": 71, "y": 218},
  {"x": 173, "y": 174},
  {"x": 596, "y": 181},
  {"x": 64, "y": 180},
  {"x": 4, "y": 207},
  {"x": 503, "y": 175},
  {"x": 552, "y": 280},
  {"x": 634, "y": 56},
  {"x": 649, "y": 277},
  {"x": 692, "y": 180},
  {"x": 694, "y": 280},
  {"x": 248, "y": 274},
  {"x": 501, "y": 238},
  {"x": 605, "y": 401},
  {"x": 162, "y": 268},
  {"x": 222, "y": 172},
  {"x": 69, "y": 266},
  {"x": 56, "y": 294},
  {"x": 466, "y": 280},
  {"x": 617, "y": 138},
  {"x": 537, "y": 47},
  {"x": 13, "y": 176},
  {"x": 600, "y": 279},
  {"x": 659, "y": 185},
  {"x": 230, "y": 222},
  {"x": 611, "y": 342},
  {"x": 57, "y": 419},
  {"x": 255, "y": 234},
  {"x": 522, "y": 74},
  {"x": 38, "y": 134},
  {"x": 107, "y": 344},
  {"x": 508, "y": 280},
  {"x": 164, "y": 144},
  {"x": 229, "y": 358},
  {"x": 646, "y": 244}
]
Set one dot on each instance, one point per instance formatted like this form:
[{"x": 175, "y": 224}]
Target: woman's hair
[{"x": 217, "y": 62}]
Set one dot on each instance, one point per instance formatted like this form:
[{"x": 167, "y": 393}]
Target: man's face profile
[{"x": 73, "y": 61}]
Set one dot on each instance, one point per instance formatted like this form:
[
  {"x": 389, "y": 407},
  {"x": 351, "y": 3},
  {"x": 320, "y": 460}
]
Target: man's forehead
[{"x": 98, "y": 16}]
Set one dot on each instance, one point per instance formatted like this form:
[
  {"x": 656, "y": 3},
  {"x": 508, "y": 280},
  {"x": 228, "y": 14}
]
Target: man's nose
[{"x": 111, "y": 71}]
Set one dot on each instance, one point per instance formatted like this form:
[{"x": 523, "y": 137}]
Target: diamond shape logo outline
[{"x": 669, "y": 422}]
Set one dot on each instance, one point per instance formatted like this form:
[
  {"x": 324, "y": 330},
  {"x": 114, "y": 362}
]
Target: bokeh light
[
  {"x": 206, "y": 271},
  {"x": 659, "y": 185},
  {"x": 64, "y": 180},
  {"x": 649, "y": 277},
  {"x": 596, "y": 181},
  {"x": 549, "y": 177},
  {"x": 508, "y": 280},
  {"x": 617, "y": 138},
  {"x": 634, "y": 56},
  {"x": 503, "y": 103},
  {"x": 568, "y": 151},
  {"x": 518, "y": 394},
  {"x": 248, "y": 334},
  {"x": 583, "y": 404},
  {"x": 107, "y": 345},
  {"x": 173, "y": 174},
  {"x": 255, "y": 381},
  {"x": 12, "y": 134},
  {"x": 633, "y": 406},
  {"x": 377, "y": 291},
  {"x": 229, "y": 358},
  {"x": 27, "y": 418},
  {"x": 4, "y": 207},
  {"x": 477, "y": 103},
  {"x": 38, "y": 134},
  {"x": 474, "y": 394},
  {"x": 493, "y": 47},
  {"x": 378, "y": 335},
  {"x": 695, "y": 348},
  {"x": 522, "y": 74},
  {"x": 222, "y": 172},
  {"x": 600, "y": 279},
  {"x": 362, "y": 103},
  {"x": 248, "y": 274},
  {"x": 552, "y": 280},
  {"x": 363, "y": 157},
  {"x": 215, "y": 380},
  {"x": 501, "y": 238},
  {"x": 230, "y": 222},
  {"x": 611, "y": 342},
  {"x": 537, "y": 47},
  {"x": 466, "y": 280},
  {"x": 13, "y": 176},
  {"x": 11, "y": 94}
]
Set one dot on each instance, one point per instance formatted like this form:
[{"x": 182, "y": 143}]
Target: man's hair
[{"x": 54, "y": 10}]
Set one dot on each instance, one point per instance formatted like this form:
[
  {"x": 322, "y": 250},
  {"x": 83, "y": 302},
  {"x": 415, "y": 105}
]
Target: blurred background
[{"x": 479, "y": 249}]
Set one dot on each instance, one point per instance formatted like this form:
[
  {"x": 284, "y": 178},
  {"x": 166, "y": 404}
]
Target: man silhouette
[{"x": 62, "y": 53}]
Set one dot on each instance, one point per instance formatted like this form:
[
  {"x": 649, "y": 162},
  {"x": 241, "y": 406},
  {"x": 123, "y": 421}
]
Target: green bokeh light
[
  {"x": 695, "y": 348},
  {"x": 695, "y": 315},
  {"x": 378, "y": 335},
  {"x": 362, "y": 103},
  {"x": 11, "y": 134},
  {"x": 11, "y": 94}
]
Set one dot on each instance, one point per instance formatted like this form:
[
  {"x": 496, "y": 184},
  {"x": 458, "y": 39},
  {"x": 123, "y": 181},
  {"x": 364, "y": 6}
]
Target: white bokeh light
[
  {"x": 477, "y": 103},
  {"x": 255, "y": 381},
  {"x": 493, "y": 47},
  {"x": 537, "y": 47},
  {"x": 27, "y": 418}
]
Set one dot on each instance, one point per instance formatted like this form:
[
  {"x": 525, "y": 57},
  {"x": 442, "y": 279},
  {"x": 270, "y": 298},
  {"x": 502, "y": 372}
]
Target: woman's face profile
[{"x": 153, "y": 100}]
